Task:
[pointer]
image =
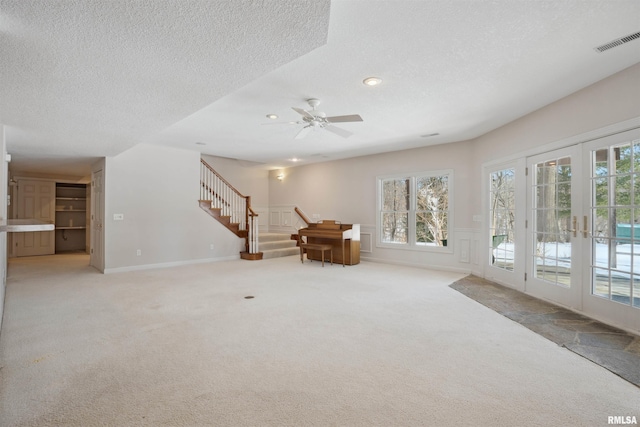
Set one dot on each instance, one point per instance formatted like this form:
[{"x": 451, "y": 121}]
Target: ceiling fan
[{"x": 318, "y": 120}]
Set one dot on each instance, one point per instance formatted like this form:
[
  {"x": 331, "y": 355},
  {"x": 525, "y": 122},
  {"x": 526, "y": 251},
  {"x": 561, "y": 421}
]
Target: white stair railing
[{"x": 253, "y": 234}]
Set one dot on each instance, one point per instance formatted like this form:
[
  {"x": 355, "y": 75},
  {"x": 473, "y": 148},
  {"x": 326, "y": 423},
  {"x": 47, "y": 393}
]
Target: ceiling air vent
[{"x": 617, "y": 42}]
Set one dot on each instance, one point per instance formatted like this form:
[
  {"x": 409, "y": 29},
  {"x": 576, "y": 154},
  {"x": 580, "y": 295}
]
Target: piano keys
[{"x": 345, "y": 239}]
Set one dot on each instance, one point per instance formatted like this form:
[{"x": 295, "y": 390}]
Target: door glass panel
[
  {"x": 601, "y": 282},
  {"x": 620, "y": 287},
  {"x": 601, "y": 162},
  {"x": 600, "y": 219},
  {"x": 623, "y": 154},
  {"x": 552, "y": 221},
  {"x": 615, "y": 225},
  {"x": 601, "y": 191},
  {"x": 502, "y": 215},
  {"x": 622, "y": 190}
]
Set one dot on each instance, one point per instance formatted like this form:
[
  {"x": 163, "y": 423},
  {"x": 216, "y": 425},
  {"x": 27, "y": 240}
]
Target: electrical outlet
[
  {"x": 211, "y": 246},
  {"x": 139, "y": 252},
  {"x": 118, "y": 217}
]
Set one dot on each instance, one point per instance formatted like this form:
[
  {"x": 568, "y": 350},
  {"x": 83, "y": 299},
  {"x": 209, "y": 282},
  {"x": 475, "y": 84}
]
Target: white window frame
[{"x": 411, "y": 244}]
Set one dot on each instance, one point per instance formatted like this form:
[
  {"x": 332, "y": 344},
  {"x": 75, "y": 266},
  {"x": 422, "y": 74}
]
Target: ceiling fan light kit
[{"x": 318, "y": 120}]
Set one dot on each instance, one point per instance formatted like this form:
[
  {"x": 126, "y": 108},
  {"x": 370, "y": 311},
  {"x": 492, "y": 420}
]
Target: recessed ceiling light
[
  {"x": 295, "y": 159},
  {"x": 429, "y": 135},
  {"x": 272, "y": 116},
  {"x": 200, "y": 143},
  {"x": 372, "y": 81}
]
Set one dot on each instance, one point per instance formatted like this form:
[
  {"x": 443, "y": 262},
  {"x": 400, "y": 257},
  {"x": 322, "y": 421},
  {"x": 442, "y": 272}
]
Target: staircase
[
  {"x": 233, "y": 210},
  {"x": 225, "y": 220},
  {"x": 219, "y": 199},
  {"x": 275, "y": 245}
]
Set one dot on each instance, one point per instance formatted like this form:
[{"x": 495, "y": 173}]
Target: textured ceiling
[
  {"x": 85, "y": 79},
  {"x": 81, "y": 79}
]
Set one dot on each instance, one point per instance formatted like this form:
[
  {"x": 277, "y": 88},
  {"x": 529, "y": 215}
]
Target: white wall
[
  {"x": 4, "y": 185},
  {"x": 157, "y": 191},
  {"x": 248, "y": 178},
  {"x": 345, "y": 189},
  {"x": 609, "y": 101}
]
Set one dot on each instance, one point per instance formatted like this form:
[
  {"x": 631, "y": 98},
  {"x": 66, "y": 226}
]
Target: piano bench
[{"x": 316, "y": 247}]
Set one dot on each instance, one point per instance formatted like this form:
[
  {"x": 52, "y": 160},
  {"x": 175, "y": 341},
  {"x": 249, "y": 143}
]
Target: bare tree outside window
[
  {"x": 502, "y": 216},
  {"x": 415, "y": 210},
  {"x": 395, "y": 210},
  {"x": 432, "y": 207}
]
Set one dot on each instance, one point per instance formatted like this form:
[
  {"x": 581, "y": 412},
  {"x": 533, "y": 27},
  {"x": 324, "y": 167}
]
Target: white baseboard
[
  {"x": 438, "y": 267},
  {"x": 169, "y": 264}
]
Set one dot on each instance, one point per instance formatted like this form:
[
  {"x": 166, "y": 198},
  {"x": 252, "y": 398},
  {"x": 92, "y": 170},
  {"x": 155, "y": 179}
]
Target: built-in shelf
[{"x": 71, "y": 217}]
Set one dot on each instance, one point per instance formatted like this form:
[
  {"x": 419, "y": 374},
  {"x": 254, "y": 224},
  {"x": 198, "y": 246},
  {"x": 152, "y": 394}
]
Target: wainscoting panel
[
  {"x": 284, "y": 219},
  {"x": 465, "y": 248},
  {"x": 274, "y": 218},
  {"x": 366, "y": 242},
  {"x": 287, "y": 217},
  {"x": 263, "y": 217}
]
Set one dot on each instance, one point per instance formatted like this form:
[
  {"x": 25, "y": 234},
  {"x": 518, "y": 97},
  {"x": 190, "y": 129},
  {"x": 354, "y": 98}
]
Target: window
[
  {"x": 395, "y": 209},
  {"x": 502, "y": 214},
  {"x": 414, "y": 210}
]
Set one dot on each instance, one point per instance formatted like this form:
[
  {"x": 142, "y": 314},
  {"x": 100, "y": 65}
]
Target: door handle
[
  {"x": 585, "y": 232},
  {"x": 574, "y": 230}
]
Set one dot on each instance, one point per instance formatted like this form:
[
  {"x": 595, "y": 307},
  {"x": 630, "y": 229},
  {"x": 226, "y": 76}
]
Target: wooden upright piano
[{"x": 345, "y": 239}]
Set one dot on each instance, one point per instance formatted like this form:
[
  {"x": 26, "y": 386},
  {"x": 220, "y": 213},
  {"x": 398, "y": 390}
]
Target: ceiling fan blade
[
  {"x": 303, "y": 132},
  {"x": 343, "y": 119},
  {"x": 281, "y": 123},
  {"x": 303, "y": 112},
  {"x": 338, "y": 131}
]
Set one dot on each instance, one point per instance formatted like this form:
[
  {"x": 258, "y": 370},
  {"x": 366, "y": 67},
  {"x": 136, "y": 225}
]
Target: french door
[
  {"x": 554, "y": 220},
  {"x": 612, "y": 261},
  {"x": 506, "y": 188},
  {"x": 583, "y": 228}
]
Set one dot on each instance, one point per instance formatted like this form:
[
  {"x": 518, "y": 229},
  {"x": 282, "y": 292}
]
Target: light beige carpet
[{"x": 365, "y": 345}]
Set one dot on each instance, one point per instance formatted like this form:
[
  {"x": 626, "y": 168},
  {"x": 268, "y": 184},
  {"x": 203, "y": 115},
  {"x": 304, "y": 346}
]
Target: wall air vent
[{"x": 617, "y": 42}]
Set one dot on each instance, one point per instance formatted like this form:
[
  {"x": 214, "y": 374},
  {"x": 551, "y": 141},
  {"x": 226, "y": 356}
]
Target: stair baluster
[{"x": 229, "y": 207}]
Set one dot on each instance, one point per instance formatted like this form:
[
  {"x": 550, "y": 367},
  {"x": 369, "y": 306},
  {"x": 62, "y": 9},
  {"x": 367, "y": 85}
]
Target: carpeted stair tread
[
  {"x": 277, "y": 253},
  {"x": 276, "y": 245}
]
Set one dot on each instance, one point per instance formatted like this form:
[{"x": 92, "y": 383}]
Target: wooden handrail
[
  {"x": 221, "y": 178},
  {"x": 302, "y": 215}
]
